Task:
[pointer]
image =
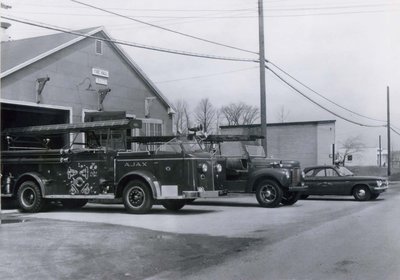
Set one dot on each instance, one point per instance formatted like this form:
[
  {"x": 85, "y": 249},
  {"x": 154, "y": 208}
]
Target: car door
[
  {"x": 315, "y": 180},
  {"x": 333, "y": 183}
]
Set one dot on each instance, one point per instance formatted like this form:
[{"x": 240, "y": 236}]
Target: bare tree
[
  {"x": 350, "y": 146},
  {"x": 240, "y": 113},
  {"x": 282, "y": 114},
  {"x": 182, "y": 116},
  {"x": 205, "y": 113}
]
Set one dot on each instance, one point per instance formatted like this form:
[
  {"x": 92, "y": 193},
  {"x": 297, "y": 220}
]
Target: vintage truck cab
[
  {"x": 248, "y": 170},
  {"x": 167, "y": 170}
]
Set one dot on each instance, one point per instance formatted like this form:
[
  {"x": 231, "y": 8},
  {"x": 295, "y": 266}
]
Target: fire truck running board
[{"x": 98, "y": 196}]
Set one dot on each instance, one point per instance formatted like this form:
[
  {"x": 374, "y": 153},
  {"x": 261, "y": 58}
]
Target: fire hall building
[{"x": 66, "y": 78}]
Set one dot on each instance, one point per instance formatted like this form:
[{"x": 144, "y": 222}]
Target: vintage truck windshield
[
  {"x": 232, "y": 149},
  {"x": 255, "y": 151},
  {"x": 192, "y": 146}
]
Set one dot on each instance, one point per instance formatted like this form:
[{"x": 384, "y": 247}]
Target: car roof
[{"x": 317, "y": 167}]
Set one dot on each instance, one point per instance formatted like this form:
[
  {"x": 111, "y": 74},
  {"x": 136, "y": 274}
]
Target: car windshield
[
  {"x": 343, "y": 171},
  {"x": 255, "y": 151}
]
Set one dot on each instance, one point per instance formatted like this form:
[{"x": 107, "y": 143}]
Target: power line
[
  {"x": 307, "y": 87},
  {"x": 319, "y": 105},
  {"x": 164, "y": 28},
  {"x": 131, "y": 44},
  {"x": 204, "y": 76}
]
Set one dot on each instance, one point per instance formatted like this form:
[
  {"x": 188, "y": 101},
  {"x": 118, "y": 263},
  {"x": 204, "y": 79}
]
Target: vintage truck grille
[{"x": 296, "y": 176}]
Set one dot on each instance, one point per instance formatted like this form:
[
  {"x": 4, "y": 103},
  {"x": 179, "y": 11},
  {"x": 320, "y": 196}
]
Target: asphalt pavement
[{"x": 230, "y": 238}]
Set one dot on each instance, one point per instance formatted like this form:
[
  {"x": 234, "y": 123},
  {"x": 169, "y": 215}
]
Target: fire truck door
[{"x": 85, "y": 171}]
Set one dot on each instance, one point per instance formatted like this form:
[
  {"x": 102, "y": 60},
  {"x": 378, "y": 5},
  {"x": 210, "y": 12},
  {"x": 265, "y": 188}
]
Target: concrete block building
[{"x": 309, "y": 142}]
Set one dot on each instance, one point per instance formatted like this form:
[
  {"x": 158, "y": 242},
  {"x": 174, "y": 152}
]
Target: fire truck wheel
[
  {"x": 268, "y": 194},
  {"x": 74, "y": 203},
  {"x": 173, "y": 204},
  {"x": 30, "y": 198},
  {"x": 290, "y": 198},
  {"x": 137, "y": 197}
]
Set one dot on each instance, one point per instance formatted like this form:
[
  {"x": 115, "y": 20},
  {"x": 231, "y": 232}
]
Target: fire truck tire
[
  {"x": 290, "y": 198},
  {"x": 268, "y": 194},
  {"x": 74, "y": 203},
  {"x": 30, "y": 198},
  {"x": 173, "y": 204},
  {"x": 137, "y": 197}
]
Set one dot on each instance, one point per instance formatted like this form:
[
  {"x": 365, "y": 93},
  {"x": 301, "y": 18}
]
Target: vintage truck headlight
[
  {"x": 379, "y": 183},
  {"x": 203, "y": 167},
  {"x": 218, "y": 168},
  {"x": 287, "y": 173}
]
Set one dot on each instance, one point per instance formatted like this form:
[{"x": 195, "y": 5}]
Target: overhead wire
[
  {"x": 131, "y": 44},
  {"x": 164, "y": 28},
  {"x": 316, "y": 103},
  {"x": 320, "y": 95}
]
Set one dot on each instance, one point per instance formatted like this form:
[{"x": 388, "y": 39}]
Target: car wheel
[
  {"x": 137, "y": 197},
  {"x": 173, "y": 204},
  {"x": 361, "y": 193},
  {"x": 74, "y": 203},
  {"x": 290, "y": 198},
  {"x": 374, "y": 196},
  {"x": 30, "y": 198},
  {"x": 268, "y": 194}
]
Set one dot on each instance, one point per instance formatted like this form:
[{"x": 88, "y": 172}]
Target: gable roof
[{"x": 18, "y": 54}]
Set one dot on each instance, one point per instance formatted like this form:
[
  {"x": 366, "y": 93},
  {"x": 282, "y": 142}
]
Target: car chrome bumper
[{"x": 382, "y": 188}]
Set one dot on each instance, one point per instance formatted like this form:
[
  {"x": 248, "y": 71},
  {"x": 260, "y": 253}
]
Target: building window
[
  {"x": 99, "y": 47},
  {"x": 150, "y": 127}
]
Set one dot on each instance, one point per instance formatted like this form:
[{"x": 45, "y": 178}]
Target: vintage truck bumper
[{"x": 301, "y": 188}]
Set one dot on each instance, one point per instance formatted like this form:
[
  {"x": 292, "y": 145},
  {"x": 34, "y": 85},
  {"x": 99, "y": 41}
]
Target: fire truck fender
[
  {"x": 142, "y": 175},
  {"x": 33, "y": 176},
  {"x": 278, "y": 175}
]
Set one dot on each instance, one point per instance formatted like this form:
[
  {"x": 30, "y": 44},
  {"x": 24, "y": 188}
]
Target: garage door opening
[{"x": 13, "y": 115}]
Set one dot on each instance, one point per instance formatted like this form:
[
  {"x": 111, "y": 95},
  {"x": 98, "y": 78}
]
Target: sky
[{"x": 346, "y": 51}]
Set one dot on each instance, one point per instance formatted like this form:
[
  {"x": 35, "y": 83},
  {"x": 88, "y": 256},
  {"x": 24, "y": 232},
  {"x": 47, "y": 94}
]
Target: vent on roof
[{"x": 99, "y": 47}]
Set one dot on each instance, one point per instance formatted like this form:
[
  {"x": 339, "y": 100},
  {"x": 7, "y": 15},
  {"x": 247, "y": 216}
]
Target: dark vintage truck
[
  {"x": 163, "y": 169},
  {"x": 248, "y": 170}
]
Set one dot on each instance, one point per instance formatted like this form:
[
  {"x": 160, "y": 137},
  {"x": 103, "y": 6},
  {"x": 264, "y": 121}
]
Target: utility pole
[
  {"x": 389, "y": 165},
  {"x": 263, "y": 104},
  {"x": 380, "y": 151}
]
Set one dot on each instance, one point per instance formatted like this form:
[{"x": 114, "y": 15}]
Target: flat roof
[{"x": 282, "y": 124}]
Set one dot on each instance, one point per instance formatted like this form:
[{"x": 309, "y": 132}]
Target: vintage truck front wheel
[
  {"x": 29, "y": 197},
  {"x": 173, "y": 204},
  {"x": 137, "y": 197},
  {"x": 268, "y": 194},
  {"x": 290, "y": 198}
]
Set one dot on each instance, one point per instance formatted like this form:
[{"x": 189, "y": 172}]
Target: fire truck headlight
[
  {"x": 203, "y": 167},
  {"x": 218, "y": 168}
]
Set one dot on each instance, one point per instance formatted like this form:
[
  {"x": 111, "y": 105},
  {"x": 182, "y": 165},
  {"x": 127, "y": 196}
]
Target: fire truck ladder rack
[{"x": 13, "y": 135}]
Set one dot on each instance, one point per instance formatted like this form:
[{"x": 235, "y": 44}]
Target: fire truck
[
  {"x": 167, "y": 170},
  {"x": 248, "y": 170}
]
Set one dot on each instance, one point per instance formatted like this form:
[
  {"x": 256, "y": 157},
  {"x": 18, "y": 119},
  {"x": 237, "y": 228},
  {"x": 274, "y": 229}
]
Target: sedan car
[{"x": 338, "y": 180}]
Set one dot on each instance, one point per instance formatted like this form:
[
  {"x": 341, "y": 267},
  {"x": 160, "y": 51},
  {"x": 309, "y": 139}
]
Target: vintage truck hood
[{"x": 267, "y": 162}]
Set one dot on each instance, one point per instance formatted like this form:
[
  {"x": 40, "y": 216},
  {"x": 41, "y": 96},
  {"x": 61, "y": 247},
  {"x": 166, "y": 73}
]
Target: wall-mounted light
[
  {"x": 41, "y": 82},
  {"x": 102, "y": 95}
]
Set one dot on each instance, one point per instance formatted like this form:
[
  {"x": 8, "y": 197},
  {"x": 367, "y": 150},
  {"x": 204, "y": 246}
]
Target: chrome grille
[{"x": 296, "y": 176}]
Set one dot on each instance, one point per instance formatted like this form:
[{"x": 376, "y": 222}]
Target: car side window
[
  {"x": 330, "y": 172},
  {"x": 309, "y": 173},
  {"x": 320, "y": 173}
]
